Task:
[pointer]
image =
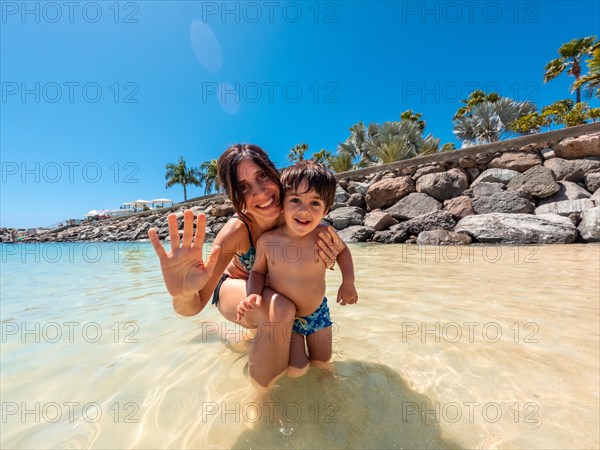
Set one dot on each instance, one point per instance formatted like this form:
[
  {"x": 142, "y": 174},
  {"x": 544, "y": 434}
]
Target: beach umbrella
[
  {"x": 93, "y": 212},
  {"x": 140, "y": 203},
  {"x": 162, "y": 201}
]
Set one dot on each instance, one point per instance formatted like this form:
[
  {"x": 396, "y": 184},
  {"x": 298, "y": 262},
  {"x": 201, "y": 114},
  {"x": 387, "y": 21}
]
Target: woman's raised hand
[{"x": 183, "y": 268}]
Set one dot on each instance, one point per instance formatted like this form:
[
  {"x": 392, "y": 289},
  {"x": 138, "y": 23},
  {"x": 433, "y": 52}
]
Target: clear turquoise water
[{"x": 470, "y": 347}]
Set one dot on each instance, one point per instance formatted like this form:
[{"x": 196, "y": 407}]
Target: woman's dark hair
[{"x": 227, "y": 167}]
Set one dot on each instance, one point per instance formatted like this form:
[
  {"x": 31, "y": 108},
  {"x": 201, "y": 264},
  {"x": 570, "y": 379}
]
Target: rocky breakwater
[
  {"x": 133, "y": 228},
  {"x": 546, "y": 192}
]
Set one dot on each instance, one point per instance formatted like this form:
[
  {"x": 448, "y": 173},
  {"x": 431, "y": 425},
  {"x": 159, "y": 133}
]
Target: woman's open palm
[{"x": 183, "y": 269}]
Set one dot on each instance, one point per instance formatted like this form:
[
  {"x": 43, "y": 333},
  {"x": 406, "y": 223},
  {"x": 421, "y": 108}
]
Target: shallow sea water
[{"x": 448, "y": 347}]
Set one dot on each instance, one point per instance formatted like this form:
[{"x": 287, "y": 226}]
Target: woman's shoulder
[{"x": 234, "y": 233}]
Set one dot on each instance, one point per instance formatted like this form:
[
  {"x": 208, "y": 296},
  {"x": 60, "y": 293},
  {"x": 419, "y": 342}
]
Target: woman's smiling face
[{"x": 261, "y": 195}]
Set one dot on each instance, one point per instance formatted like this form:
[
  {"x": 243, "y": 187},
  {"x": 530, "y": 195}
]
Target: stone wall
[{"x": 542, "y": 188}]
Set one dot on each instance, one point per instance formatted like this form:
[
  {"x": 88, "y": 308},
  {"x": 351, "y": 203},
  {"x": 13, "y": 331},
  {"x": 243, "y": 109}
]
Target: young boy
[{"x": 289, "y": 254}]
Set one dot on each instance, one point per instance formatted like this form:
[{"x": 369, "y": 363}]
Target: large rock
[
  {"x": 390, "y": 237},
  {"x": 547, "y": 153},
  {"x": 388, "y": 191},
  {"x": 444, "y": 185},
  {"x": 379, "y": 220},
  {"x": 568, "y": 191},
  {"x": 565, "y": 207},
  {"x": 515, "y": 160},
  {"x": 218, "y": 210},
  {"x": 592, "y": 181},
  {"x": 340, "y": 195},
  {"x": 484, "y": 188},
  {"x": 574, "y": 171},
  {"x": 344, "y": 217},
  {"x": 413, "y": 205},
  {"x": 427, "y": 169},
  {"x": 356, "y": 234},
  {"x": 503, "y": 202},
  {"x": 518, "y": 228},
  {"x": 538, "y": 181},
  {"x": 443, "y": 237},
  {"x": 589, "y": 228},
  {"x": 496, "y": 176},
  {"x": 140, "y": 233},
  {"x": 357, "y": 187},
  {"x": 596, "y": 197},
  {"x": 357, "y": 200},
  {"x": 460, "y": 207},
  {"x": 439, "y": 220},
  {"x": 578, "y": 147}
]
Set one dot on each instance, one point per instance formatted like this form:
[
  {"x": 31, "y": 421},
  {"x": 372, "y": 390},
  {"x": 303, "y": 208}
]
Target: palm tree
[
  {"x": 415, "y": 117},
  {"x": 297, "y": 152},
  {"x": 571, "y": 54},
  {"x": 591, "y": 80},
  {"x": 341, "y": 163},
  {"x": 180, "y": 174},
  {"x": 487, "y": 119},
  {"x": 357, "y": 144},
  {"x": 322, "y": 157},
  {"x": 395, "y": 141},
  {"x": 448, "y": 147},
  {"x": 430, "y": 146},
  {"x": 210, "y": 176}
]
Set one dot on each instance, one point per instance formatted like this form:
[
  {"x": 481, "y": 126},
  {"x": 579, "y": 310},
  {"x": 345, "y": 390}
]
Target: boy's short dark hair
[{"x": 319, "y": 179}]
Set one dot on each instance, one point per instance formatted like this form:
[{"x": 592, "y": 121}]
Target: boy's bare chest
[{"x": 286, "y": 251}]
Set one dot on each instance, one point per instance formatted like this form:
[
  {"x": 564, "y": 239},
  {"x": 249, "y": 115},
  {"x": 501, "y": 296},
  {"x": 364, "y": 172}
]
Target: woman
[{"x": 252, "y": 183}]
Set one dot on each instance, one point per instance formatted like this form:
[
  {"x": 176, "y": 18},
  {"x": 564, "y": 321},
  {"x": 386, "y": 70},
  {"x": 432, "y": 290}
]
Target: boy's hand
[
  {"x": 347, "y": 294},
  {"x": 247, "y": 304}
]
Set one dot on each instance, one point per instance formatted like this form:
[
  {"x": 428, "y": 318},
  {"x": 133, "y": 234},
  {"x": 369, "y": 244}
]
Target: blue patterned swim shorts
[{"x": 316, "y": 321}]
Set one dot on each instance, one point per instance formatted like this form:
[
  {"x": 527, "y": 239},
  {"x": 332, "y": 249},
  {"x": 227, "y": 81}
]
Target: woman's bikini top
[{"x": 247, "y": 259}]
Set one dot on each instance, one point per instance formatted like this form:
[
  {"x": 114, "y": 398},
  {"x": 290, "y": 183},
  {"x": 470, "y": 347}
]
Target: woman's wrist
[{"x": 188, "y": 305}]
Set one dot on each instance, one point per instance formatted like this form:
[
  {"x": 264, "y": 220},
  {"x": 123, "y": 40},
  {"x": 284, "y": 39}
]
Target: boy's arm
[
  {"x": 347, "y": 292},
  {"x": 344, "y": 259}
]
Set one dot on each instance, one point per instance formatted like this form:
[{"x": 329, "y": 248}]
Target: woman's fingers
[
  {"x": 200, "y": 231},
  {"x": 331, "y": 241},
  {"x": 173, "y": 231},
  {"x": 213, "y": 258},
  {"x": 158, "y": 248},
  {"x": 188, "y": 227}
]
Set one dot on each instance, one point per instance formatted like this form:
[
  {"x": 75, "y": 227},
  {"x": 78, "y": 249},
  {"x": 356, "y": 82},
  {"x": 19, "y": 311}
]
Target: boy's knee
[{"x": 283, "y": 311}]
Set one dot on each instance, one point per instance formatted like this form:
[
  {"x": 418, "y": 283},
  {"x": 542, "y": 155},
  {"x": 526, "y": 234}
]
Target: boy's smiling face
[{"x": 303, "y": 210}]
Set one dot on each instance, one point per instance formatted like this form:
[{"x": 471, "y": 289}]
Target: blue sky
[{"x": 98, "y": 96}]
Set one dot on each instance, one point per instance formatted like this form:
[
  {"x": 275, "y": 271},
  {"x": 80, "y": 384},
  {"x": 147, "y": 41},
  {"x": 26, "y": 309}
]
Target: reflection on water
[{"x": 456, "y": 347}]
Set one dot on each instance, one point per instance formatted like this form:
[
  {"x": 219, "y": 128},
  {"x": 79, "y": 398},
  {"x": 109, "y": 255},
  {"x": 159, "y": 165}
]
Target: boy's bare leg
[
  {"x": 298, "y": 358},
  {"x": 270, "y": 349},
  {"x": 320, "y": 347}
]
